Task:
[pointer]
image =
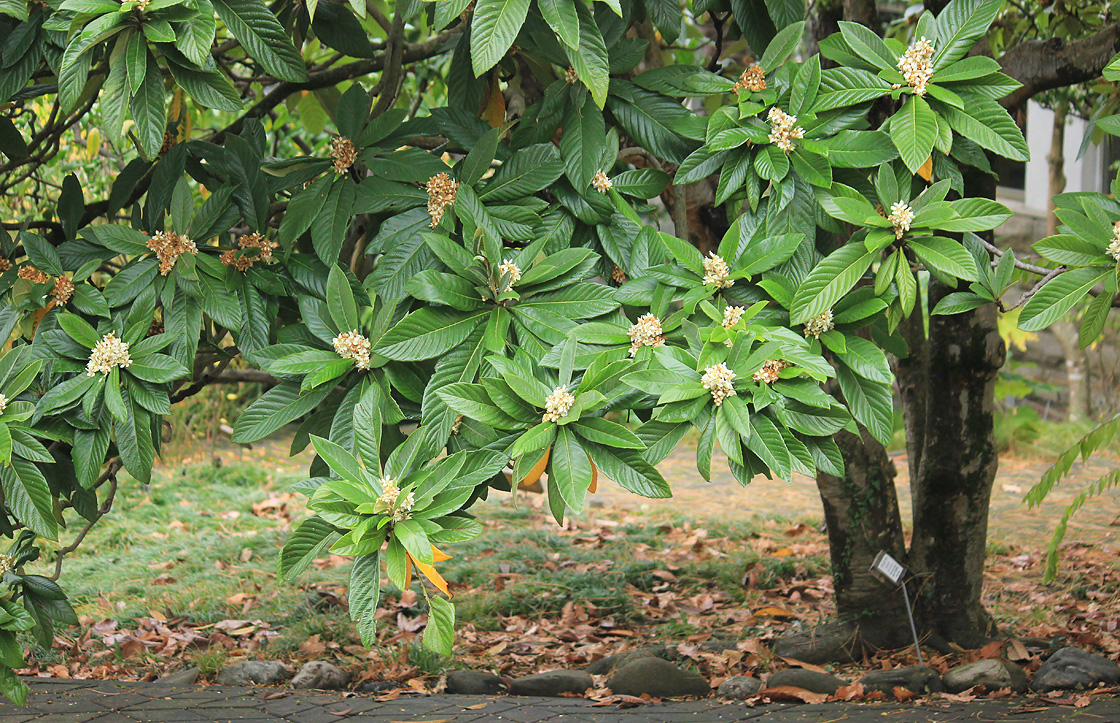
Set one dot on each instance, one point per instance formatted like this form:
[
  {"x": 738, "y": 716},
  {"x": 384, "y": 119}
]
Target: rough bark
[
  {"x": 953, "y": 487},
  {"x": 1055, "y": 63}
]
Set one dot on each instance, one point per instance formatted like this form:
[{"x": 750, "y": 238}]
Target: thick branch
[{"x": 1045, "y": 64}]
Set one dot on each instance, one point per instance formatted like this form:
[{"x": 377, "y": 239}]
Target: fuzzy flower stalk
[
  {"x": 900, "y": 218},
  {"x": 718, "y": 380},
  {"x": 352, "y": 345},
  {"x": 110, "y": 352},
  {"x": 646, "y": 331},
  {"x": 784, "y": 129},
  {"x": 558, "y": 404},
  {"x": 916, "y": 65}
]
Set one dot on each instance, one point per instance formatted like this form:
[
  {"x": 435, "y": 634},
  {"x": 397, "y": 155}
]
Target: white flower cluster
[
  {"x": 391, "y": 503},
  {"x": 441, "y": 190},
  {"x": 601, "y": 183},
  {"x": 3, "y": 403},
  {"x": 7, "y": 563},
  {"x": 916, "y": 65},
  {"x": 343, "y": 153},
  {"x": 110, "y": 352},
  {"x": 646, "y": 331},
  {"x": 1114, "y": 247},
  {"x": 558, "y": 404},
  {"x": 718, "y": 380},
  {"x": 508, "y": 267},
  {"x": 770, "y": 371},
  {"x": 901, "y": 217},
  {"x": 819, "y": 324},
  {"x": 352, "y": 345},
  {"x": 784, "y": 129},
  {"x": 716, "y": 271},
  {"x": 731, "y": 316}
]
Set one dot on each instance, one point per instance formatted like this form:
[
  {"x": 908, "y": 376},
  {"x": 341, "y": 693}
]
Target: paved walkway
[{"x": 76, "y": 701}]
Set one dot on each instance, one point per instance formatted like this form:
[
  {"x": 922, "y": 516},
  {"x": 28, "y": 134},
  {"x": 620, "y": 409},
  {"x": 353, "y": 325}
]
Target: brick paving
[{"x": 77, "y": 701}]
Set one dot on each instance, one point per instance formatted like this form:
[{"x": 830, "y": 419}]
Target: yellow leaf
[
  {"x": 494, "y": 108},
  {"x": 594, "y": 478},
  {"x": 926, "y": 170},
  {"x": 93, "y": 143},
  {"x": 438, "y": 555},
  {"x": 429, "y": 572},
  {"x": 537, "y": 470}
]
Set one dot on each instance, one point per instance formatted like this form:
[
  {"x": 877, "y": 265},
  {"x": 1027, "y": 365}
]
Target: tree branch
[{"x": 1045, "y": 64}]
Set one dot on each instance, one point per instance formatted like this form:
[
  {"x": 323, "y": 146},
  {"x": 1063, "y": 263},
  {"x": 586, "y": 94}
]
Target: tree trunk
[
  {"x": 958, "y": 466},
  {"x": 861, "y": 512},
  {"x": 1077, "y": 385}
]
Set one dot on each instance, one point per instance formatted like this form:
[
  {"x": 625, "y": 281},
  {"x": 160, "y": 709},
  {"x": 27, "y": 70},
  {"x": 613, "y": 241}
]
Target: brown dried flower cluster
[
  {"x": 242, "y": 261},
  {"x": 571, "y": 77},
  {"x": 343, "y": 153},
  {"x": 752, "y": 79},
  {"x": 770, "y": 371},
  {"x": 169, "y": 246},
  {"x": 441, "y": 194},
  {"x": 63, "y": 290},
  {"x": 33, "y": 274},
  {"x": 618, "y": 276},
  {"x": 4, "y": 265}
]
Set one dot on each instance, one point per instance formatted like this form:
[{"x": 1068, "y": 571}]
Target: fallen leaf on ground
[
  {"x": 792, "y": 694},
  {"x": 276, "y": 695},
  {"x": 795, "y": 663},
  {"x": 341, "y": 713}
]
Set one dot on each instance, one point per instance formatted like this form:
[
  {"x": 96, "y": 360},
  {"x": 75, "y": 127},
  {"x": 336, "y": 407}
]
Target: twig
[
  {"x": 1033, "y": 290},
  {"x": 111, "y": 475}
]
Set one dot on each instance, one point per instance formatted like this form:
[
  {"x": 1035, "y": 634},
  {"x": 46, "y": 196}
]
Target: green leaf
[
  {"x": 782, "y": 46},
  {"x": 1070, "y": 250},
  {"x": 562, "y": 18},
  {"x": 611, "y": 434},
  {"x": 1054, "y": 300},
  {"x": 990, "y": 126},
  {"x": 629, "y": 469},
  {"x": 946, "y": 256},
  {"x": 28, "y": 497},
  {"x": 860, "y": 149},
  {"x": 527, "y": 171},
  {"x": 494, "y": 26},
  {"x": 913, "y": 132},
  {"x": 868, "y": 45},
  {"x": 958, "y": 302},
  {"x": 869, "y": 402},
  {"x": 363, "y": 595},
  {"x": 195, "y": 37},
  {"x": 275, "y": 408},
  {"x": 829, "y": 281},
  {"x": 147, "y": 110},
  {"x": 581, "y": 146},
  {"x": 340, "y": 301},
  {"x": 263, "y": 37},
  {"x": 13, "y": 688},
  {"x": 866, "y": 359},
  {"x": 753, "y": 19},
  {"x": 308, "y": 541},
  {"x": 842, "y": 87},
  {"x": 590, "y": 59},
  {"x": 959, "y": 26},
  {"x": 439, "y": 634},
  {"x": 571, "y": 468},
  {"x": 976, "y": 214},
  {"x": 428, "y": 333}
]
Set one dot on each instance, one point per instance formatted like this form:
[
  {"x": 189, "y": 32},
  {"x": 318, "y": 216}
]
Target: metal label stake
[{"x": 891, "y": 571}]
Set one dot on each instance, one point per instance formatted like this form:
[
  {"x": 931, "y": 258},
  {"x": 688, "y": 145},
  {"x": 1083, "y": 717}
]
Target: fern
[{"x": 1083, "y": 448}]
